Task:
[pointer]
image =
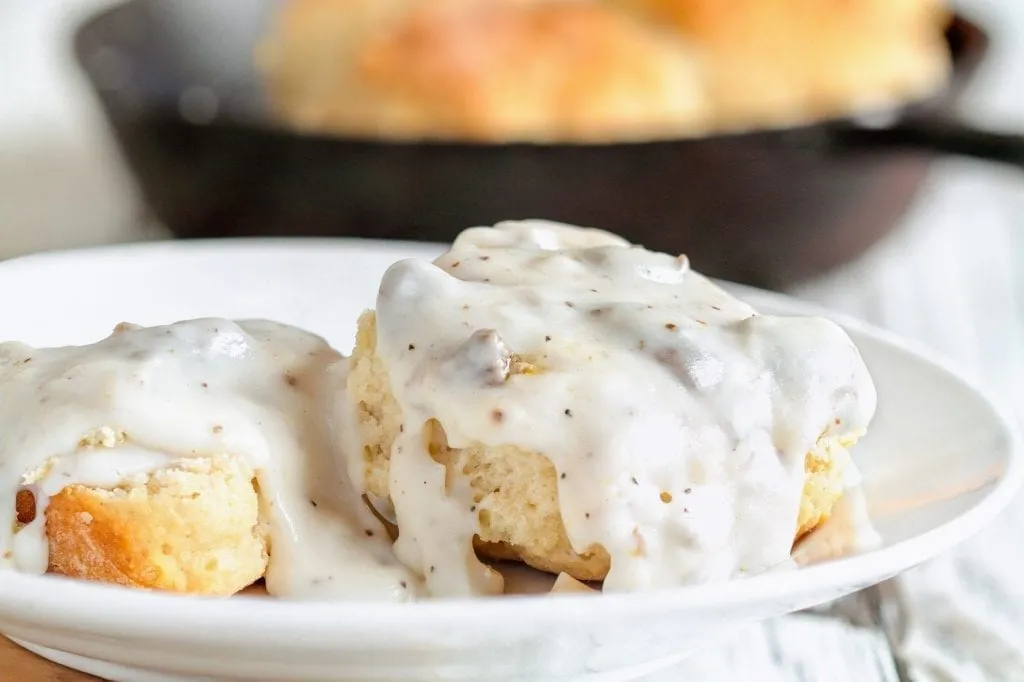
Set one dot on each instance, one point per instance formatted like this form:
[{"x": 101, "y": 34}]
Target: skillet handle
[{"x": 937, "y": 136}]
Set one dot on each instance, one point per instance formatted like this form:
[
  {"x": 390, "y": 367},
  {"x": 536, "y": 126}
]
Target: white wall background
[{"x": 60, "y": 179}]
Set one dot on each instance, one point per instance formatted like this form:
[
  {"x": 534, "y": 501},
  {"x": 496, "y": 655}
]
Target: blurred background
[
  {"x": 154, "y": 123},
  {"x": 772, "y": 210},
  {"x": 159, "y": 126}
]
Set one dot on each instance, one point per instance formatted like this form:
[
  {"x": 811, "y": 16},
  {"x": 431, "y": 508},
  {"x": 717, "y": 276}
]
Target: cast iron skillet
[{"x": 768, "y": 208}]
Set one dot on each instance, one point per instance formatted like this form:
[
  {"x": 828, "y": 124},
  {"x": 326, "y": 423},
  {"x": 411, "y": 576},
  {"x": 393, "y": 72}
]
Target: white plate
[{"x": 939, "y": 463}]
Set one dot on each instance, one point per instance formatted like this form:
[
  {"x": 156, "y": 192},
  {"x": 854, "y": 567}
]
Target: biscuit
[
  {"x": 593, "y": 70},
  {"x": 517, "y": 490},
  {"x": 192, "y": 527}
]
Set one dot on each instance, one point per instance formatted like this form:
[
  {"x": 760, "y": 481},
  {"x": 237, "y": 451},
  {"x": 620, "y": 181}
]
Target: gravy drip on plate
[
  {"x": 677, "y": 418},
  {"x": 260, "y": 390}
]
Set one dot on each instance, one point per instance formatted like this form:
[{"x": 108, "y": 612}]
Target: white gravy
[
  {"x": 146, "y": 396},
  {"x": 676, "y": 417}
]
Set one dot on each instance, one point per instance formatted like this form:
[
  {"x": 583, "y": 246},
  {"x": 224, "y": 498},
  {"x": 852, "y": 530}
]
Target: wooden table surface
[{"x": 18, "y": 664}]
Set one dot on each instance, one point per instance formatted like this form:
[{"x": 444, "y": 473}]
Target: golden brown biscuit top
[{"x": 593, "y": 70}]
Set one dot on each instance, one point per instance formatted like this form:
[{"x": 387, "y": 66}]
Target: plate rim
[{"x": 98, "y": 609}]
